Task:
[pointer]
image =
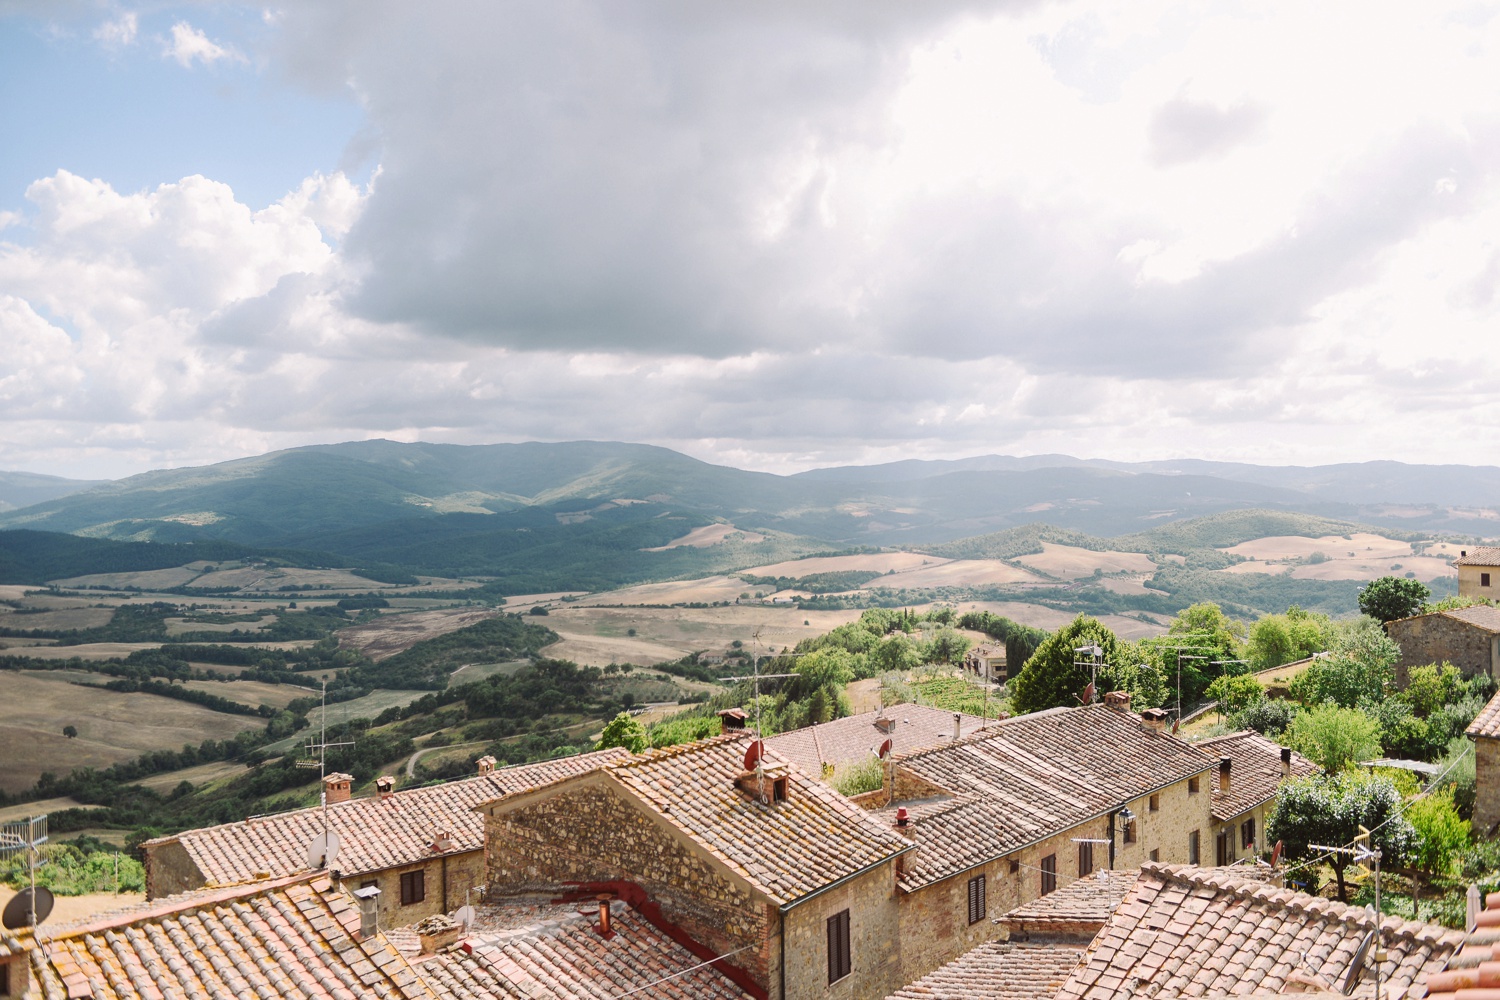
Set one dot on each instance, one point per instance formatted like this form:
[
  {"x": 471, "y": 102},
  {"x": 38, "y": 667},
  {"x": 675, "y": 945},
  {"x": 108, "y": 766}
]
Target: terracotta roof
[
  {"x": 1079, "y": 908},
  {"x": 1479, "y": 615},
  {"x": 1487, "y": 722},
  {"x": 1184, "y": 931},
  {"x": 542, "y": 952},
  {"x": 1484, "y": 555},
  {"x": 1010, "y": 970},
  {"x": 852, "y": 739},
  {"x": 1474, "y": 964},
  {"x": 1254, "y": 771},
  {"x": 292, "y": 938},
  {"x": 1030, "y": 777},
  {"x": 376, "y": 833}
]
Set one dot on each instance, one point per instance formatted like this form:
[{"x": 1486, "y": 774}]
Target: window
[
  {"x": 1085, "y": 860},
  {"x": 1224, "y": 848},
  {"x": 1193, "y": 856},
  {"x": 1015, "y": 867},
  {"x": 1049, "y": 874},
  {"x": 1247, "y": 833},
  {"x": 1156, "y": 855},
  {"x": 413, "y": 887},
  {"x": 1484, "y": 579},
  {"x": 1154, "y": 803},
  {"x": 778, "y": 790},
  {"x": 976, "y": 899},
  {"x": 1129, "y": 831},
  {"x": 4, "y": 979},
  {"x": 1192, "y": 786},
  {"x": 838, "y": 946}
]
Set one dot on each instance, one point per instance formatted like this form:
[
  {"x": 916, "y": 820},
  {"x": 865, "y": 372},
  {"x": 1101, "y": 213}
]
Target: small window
[
  {"x": 1049, "y": 874},
  {"x": 1247, "y": 833},
  {"x": 1015, "y": 867},
  {"x": 1085, "y": 860},
  {"x": 1156, "y": 855},
  {"x": 1484, "y": 579},
  {"x": 4, "y": 979},
  {"x": 838, "y": 946},
  {"x": 976, "y": 899},
  {"x": 413, "y": 887},
  {"x": 1130, "y": 831},
  {"x": 1192, "y": 786},
  {"x": 1154, "y": 803},
  {"x": 1193, "y": 856},
  {"x": 778, "y": 790}
]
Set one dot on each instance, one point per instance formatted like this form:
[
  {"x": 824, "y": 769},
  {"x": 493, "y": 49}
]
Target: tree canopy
[
  {"x": 1057, "y": 673},
  {"x": 1330, "y": 809},
  {"x": 1392, "y": 597}
]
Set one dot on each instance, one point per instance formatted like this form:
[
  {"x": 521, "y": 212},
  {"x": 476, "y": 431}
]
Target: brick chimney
[
  {"x": 1225, "y": 763},
  {"x": 486, "y": 765},
  {"x": 1155, "y": 719},
  {"x": 386, "y": 786},
  {"x": 1286, "y": 762},
  {"x": 732, "y": 720},
  {"x": 1118, "y": 700},
  {"x": 885, "y": 725},
  {"x": 336, "y": 787},
  {"x": 442, "y": 841}
]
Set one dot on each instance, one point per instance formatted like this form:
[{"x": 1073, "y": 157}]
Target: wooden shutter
[
  {"x": 839, "y": 962},
  {"x": 1049, "y": 874},
  {"x": 1085, "y": 860},
  {"x": 976, "y": 899}
]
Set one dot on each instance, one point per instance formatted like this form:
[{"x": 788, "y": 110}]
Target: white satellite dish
[
  {"x": 323, "y": 851},
  {"x": 465, "y": 916}
]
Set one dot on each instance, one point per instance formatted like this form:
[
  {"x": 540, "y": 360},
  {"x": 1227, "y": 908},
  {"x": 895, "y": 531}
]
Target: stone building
[
  {"x": 1485, "y": 732},
  {"x": 422, "y": 847},
  {"x": 769, "y": 867},
  {"x": 1468, "y": 638},
  {"x": 1251, "y": 769},
  {"x": 1030, "y": 805},
  {"x": 1479, "y": 572}
]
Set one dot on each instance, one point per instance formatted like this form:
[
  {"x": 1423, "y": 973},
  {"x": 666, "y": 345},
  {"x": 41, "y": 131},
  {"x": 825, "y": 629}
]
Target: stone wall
[
  {"x": 875, "y": 945},
  {"x": 444, "y": 883},
  {"x": 1437, "y": 638},
  {"x": 1487, "y": 781},
  {"x": 593, "y": 834},
  {"x": 169, "y": 870}
]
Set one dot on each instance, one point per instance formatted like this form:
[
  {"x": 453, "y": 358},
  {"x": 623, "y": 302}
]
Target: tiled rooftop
[
  {"x": 1483, "y": 555},
  {"x": 1080, "y": 907},
  {"x": 290, "y": 938},
  {"x": 1487, "y": 722},
  {"x": 1473, "y": 967},
  {"x": 785, "y": 850},
  {"x": 1008, "y": 970},
  {"x": 376, "y": 833},
  {"x": 542, "y": 949},
  {"x": 1027, "y": 778},
  {"x": 1254, "y": 774},
  {"x": 1185, "y": 931},
  {"x": 1480, "y": 615},
  {"x": 855, "y": 738}
]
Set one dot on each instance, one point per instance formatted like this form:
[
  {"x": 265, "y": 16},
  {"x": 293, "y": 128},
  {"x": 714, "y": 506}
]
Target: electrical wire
[{"x": 683, "y": 972}]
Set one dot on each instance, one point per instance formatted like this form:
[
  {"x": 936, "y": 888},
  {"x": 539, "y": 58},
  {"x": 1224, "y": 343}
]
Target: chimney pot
[
  {"x": 1286, "y": 762},
  {"x": 1225, "y": 764},
  {"x": 732, "y": 720},
  {"x": 385, "y": 785},
  {"x": 1118, "y": 700},
  {"x": 605, "y": 930},
  {"x": 902, "y": 817},
  {"x": 485, "y": 764},
  {"x": 336, "y": 787},
  {"x": 1154, "y": 719}
]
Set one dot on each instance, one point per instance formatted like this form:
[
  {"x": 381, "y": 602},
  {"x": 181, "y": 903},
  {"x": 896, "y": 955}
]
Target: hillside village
[{"x": 1096, "y": 848}]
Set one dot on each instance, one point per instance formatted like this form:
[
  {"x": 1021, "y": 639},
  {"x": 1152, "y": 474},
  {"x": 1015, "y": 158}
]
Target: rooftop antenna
[
  {"x": 323, "y": 850},
  {"x": 1096, "y": 656},
  {"x": 1362, "y": 852},
  {"x": 31, "y": 905}
]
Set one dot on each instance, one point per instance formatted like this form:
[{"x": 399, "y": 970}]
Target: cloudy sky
[{"x": 773, "y": 235}]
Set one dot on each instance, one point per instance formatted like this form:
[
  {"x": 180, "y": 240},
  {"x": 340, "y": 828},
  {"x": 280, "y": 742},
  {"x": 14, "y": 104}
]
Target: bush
[
  {"x": 1334, "y": 738},
  {"x": 855, "y": 779},
  {"x": 1270, "y": 717},
  {"x": 1235, "y": 693}
]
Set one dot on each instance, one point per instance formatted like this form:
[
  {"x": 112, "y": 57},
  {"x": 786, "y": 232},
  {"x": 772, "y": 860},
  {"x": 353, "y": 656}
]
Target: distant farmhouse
[
  {"x": 1468, "y": 638},
  {"x": 1479, "y": 572}
]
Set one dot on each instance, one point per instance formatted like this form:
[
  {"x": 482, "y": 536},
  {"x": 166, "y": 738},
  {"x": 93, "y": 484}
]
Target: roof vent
[
  {"x": 885, "y": 725},
  {"x": 385, "y": 785},
  {"x": 369, "y": 910},
  {"x": 1225, "y": 763},
  {"x": 1155, "y": 719},
  {"x": 1118, "y": 700},
  {"x": 732, "y": 720},
  {"x": 442, "y": 841}
]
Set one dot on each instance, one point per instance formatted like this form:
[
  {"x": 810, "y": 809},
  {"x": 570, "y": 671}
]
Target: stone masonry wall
[
  {"x": 592, "y": 834},
  {"x": 1436, "y": 638},
  {"x": 875, "y": 945},
  {"x": 461, "y": 871},
  {"x": 169, "y": 870},
  {"x": 1487, "y": 781}
]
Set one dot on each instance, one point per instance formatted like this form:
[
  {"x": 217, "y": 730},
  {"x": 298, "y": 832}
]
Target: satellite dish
[
  {"x": 1357, "y": 966},
  {"x": 885, "y": 750},
  {"x": 465, "y": 916},
  {"x": 753, "y": 754},
  {"x": 323, "y": 850},
  {"x": 1276, "y": 853},
  {"x": 18, "y": 910}
]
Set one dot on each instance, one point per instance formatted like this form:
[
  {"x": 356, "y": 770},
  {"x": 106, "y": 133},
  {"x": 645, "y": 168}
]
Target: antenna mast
[{"x": 322, "y": 748}]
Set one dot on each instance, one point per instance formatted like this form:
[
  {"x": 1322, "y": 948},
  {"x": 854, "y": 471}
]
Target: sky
[{"x": 777, "y": 235}]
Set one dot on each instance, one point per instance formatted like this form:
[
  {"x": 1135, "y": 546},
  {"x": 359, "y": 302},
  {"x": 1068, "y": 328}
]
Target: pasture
[{"x": 710, "y": 534}]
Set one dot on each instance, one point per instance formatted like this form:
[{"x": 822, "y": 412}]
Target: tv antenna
[
  {"x": 1095, "y": 657},
  {"x": 31, "y": 905},
  {"x": 1362, "y": 852},
  {"x": 323, "y": 849}
]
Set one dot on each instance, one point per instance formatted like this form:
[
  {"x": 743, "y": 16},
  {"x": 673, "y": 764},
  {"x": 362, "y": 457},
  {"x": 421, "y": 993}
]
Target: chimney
[
  {"x": 1154, "y": 719},
  {"x": 442, "y": 841},
  {"x": 1224, "y": 764},
  {"x": 904, "y": 825},
  {"x": 1118, "y": 700},
  {"x": 385, "y": 785},
  {"x": 605, "y": 930},
  {"x": 336, "y": 787},
  {"x": 958, "y": 721},
  {"x": 1286, "y": 762},
  {"x": 902, "y": 817},
  {"x": 732, "y": 720},
  {"x": 1462, "y": 553},
  {"x": 485, "y": 764},
  {"x": 369, "y": 911},
  {"x": 885, "y": 725}
]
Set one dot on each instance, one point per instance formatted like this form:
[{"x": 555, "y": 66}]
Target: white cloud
[
  {"x": 118, "y": 32},
  {"x": 189, "y": 43}
]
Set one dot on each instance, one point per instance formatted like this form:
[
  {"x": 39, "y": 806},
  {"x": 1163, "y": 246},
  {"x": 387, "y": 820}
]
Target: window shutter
[{"x": 976, "y": 899}]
